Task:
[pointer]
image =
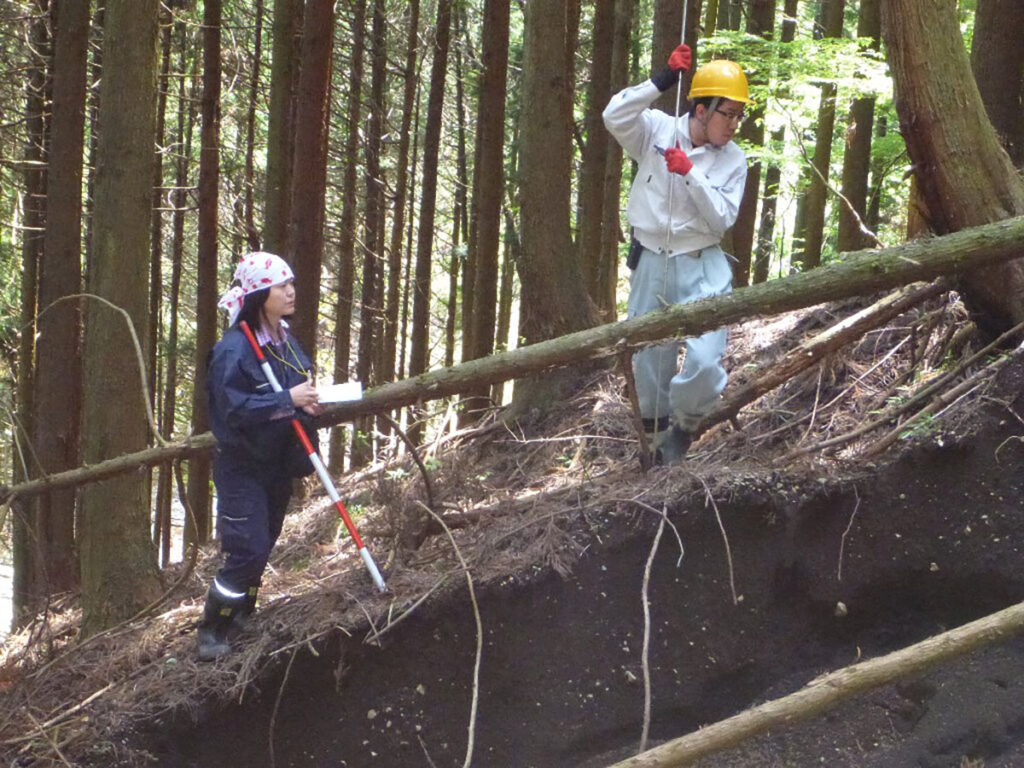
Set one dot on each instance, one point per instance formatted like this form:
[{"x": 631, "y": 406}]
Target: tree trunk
[
  {"x": 773, "y": 176},
  {"x": 118, "y": 566},
  {"x": 284, "y": 75},
  {"x": 419, "y": 351},
  {"x": 817, "y": 190},
  {"x": 594, "y": 159},
  {"x": 966, "y": 177},
  {"x": 459, "y": 261},
  {"x": 997, "y": 58},
  {"x": 489, "y": 175},
  {"x": 206, "y": 287},
  {"x": 554, "y": 299},
  {"x": 347, "y": 225},
  {"x": 250, "y": 131},
  {"x": 309, "y": 182},
  {"x": 367, "y": 369},
  {"x": 611, "y": 233},
  {"x": 761, "y": 22},
  {"x": 58, "y": 385},
  {"x": 391, "y": 324},
  {"x": 27, "y": 567},
  {"x": 183, "y": 151},
  {"x": 857, "y": 274},
  {"x": 857, "y": 157}
]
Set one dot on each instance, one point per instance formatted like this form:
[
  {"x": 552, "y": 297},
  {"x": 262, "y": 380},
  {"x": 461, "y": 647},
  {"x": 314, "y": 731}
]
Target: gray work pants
[{"x": 689, "y": 394}]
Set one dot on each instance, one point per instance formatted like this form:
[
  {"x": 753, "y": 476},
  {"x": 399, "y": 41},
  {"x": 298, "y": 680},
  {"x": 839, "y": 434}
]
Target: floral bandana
[{"x": 256, "y": 271}]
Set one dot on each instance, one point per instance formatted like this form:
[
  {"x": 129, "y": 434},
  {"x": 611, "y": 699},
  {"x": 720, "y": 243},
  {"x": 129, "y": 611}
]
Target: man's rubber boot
[
  {"x": 672, "y": 445},
  {"x": 212, "y": 632}
]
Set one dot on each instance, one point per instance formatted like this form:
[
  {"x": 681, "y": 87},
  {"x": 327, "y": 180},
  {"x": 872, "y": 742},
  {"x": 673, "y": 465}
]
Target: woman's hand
[
  {"x": 313, "y": 410},
  {"x": 304, "y": 395}
]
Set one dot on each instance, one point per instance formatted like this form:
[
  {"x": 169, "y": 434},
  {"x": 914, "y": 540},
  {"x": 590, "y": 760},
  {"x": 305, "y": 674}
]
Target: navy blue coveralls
[{"x": 252, "y": 424}]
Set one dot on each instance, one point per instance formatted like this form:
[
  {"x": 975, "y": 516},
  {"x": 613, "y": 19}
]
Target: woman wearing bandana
[{"x": 252, "y": 466}]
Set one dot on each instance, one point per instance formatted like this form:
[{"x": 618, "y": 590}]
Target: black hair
[
  {"x": 705, "y": 100},
  {"x": 252, "y": 305}
]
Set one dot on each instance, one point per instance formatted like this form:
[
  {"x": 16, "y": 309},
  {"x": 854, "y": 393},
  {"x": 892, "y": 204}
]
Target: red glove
[
  {"x": 677, "y": 161},
  {"x": 680, "y": 59}
]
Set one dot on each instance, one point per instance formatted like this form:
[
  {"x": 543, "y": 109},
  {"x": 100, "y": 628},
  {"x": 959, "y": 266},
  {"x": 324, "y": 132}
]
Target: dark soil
[{"x": 934, "y": 541}]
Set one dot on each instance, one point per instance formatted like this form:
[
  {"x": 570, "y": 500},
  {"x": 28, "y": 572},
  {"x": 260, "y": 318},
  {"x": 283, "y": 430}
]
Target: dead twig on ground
[
  {"x": 710, "y": 498},
  {"x": 842, "y": 541},
  {"x": 645, "y": 652},
  {"x": 277, "y": 706},
  {"x": 479, "y": 639}
]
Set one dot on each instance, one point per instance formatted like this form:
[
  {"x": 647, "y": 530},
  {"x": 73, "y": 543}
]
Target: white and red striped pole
[{"x": 318, "y": 464}]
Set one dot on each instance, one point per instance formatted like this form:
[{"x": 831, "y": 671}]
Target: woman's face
[{"x": 280, "y": 302}]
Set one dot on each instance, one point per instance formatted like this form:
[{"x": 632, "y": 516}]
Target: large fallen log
[
  {"x": 830, "y": 690},
  {"x": 857, "y": 274}
]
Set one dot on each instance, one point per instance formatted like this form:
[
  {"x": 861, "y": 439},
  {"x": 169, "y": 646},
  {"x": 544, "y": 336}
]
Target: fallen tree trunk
[
  {"x": 805, "y": 355},
  {"x": 830, "y": 690},
  {"x": 858, "y": 273}
]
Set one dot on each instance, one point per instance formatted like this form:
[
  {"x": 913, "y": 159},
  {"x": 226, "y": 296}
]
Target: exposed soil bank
[{"x": 935, "y": 541}]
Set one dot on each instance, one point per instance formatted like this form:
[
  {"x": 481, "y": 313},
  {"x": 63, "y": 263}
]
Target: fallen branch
[
  {"x": 828, "y": 341},
  {"x": 830, "y": 690},
  {"x": 856, "y": 274}
]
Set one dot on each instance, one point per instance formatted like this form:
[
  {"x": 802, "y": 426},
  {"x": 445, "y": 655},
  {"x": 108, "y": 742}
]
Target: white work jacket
[{"x": 705, "y": 201}]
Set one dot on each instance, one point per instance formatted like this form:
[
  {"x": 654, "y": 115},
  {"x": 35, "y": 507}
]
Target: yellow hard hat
[{"x": 721, "y": 78}]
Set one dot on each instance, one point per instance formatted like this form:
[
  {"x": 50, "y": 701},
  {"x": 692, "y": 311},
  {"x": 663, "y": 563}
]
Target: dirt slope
[{"x": 934, "y": 540}]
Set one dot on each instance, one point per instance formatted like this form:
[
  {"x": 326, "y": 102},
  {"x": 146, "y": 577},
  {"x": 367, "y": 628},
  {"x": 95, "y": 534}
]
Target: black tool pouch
[{"x": 633, "y": 257}]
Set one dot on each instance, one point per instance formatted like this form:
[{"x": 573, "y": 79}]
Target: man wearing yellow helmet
[{"x": 686, "y": 194}]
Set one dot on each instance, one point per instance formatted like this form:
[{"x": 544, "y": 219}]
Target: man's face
[{"x": 722, "y": 123}]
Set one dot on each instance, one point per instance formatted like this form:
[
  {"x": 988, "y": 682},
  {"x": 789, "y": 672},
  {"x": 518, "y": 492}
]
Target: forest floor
[{"x": 774, "y": 568}]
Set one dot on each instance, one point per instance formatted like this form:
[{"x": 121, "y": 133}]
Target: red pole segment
[{"x": 318, "y": 464}]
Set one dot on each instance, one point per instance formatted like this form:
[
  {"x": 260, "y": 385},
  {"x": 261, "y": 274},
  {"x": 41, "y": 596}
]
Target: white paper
[{"x": 339, "y": 393}]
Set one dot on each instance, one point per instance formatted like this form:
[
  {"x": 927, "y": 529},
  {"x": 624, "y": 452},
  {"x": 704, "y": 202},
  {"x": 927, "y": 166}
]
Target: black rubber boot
[
  {"x": 672, "y": 445},
  {"x": 240, "y": 619},
  {"x": 212, "y": 633}
]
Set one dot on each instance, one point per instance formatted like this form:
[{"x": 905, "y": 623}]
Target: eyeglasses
[{"x": 732, "y": 117}]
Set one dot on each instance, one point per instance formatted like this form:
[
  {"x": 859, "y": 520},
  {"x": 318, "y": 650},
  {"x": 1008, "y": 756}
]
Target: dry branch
[
  {"x": 858, "y": 273},
  {"x": 828, "y": 341},
  {"x": 828, "y": 691}
]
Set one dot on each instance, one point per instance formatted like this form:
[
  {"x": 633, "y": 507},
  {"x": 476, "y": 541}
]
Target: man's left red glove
[
  {"x": 677, "y": 161},
  {"x": 680, "y": 58}
]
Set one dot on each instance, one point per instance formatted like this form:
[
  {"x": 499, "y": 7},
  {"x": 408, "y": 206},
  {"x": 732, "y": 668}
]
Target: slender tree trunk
[
  {"x": 391, "y": 324},
  {"x": 119, "y": 573},
  {"x": 309, "y": 183},
  {"x": 347, "y": 225},
  {"x": 28, "y": 565},
  {"x": 611, "y": 233},
  {"x": 489, "y": 175},
  {"x": 877, "y": 177},
  {"x": 857, "y": 157},
  {"x": 183, "y": 151},
  {"x": 554, "y": 299},
  {"x": 594, "y": 161},
  {"x": 773, "y": 176},
  {"x": 206, "y": 287},
  {"x": 407, "y": 270},
  {"x": 58, "y": 386},
  {"x": 997, "y": 58},
  {"x": 93, "y": 99},
  {"x": 817, "y": 190},
  {"x": 761, "y": 22},
  {"x": 250, "y": 130},
  {"x": 966, "y": 178},
  {"x": 156, "y": 235},
  {"x": 419, "y": 359},
  {"x": 284, "y": 76},
  {"x": 464, "y": 256},
  {"x": 367, "y": 361}
]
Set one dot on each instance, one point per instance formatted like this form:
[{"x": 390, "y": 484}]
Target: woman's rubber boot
[
  {"x": 212, "y": 633},
  {"x": 241, "y": 617}
]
